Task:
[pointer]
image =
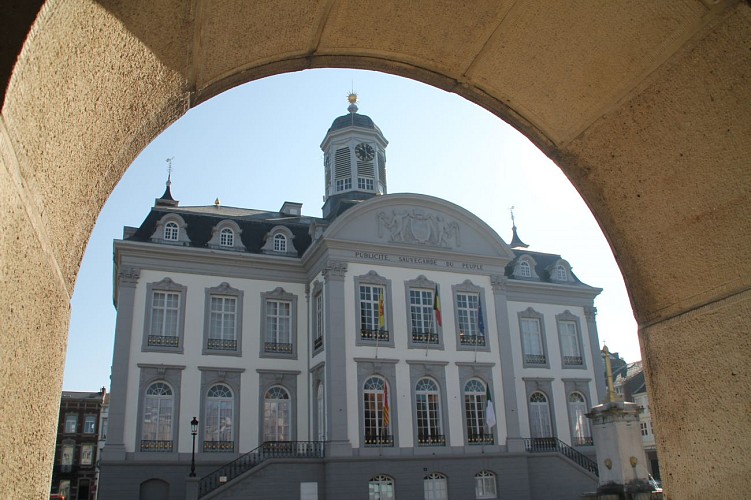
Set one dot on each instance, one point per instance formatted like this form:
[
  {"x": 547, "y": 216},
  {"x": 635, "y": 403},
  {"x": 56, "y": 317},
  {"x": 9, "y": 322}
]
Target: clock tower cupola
[{"x": 354, "y": 160}]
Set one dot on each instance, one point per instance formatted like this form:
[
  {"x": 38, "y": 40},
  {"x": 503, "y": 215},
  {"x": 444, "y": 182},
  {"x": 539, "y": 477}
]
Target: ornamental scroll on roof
[{"x": 418, "y": 227}]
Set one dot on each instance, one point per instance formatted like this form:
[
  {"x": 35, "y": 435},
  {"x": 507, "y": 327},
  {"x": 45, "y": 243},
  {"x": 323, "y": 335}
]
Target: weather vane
[
  {"x": 511, "y": 209},
  {"x": 169, "y": 168}
]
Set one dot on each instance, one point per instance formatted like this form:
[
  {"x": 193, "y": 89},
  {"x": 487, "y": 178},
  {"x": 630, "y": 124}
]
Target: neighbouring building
[
  {"x": 74, "y": 473},
  {"x": 354, "y": 355}
]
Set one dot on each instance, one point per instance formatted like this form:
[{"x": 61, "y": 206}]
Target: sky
[{"x": 258, "y": 145}]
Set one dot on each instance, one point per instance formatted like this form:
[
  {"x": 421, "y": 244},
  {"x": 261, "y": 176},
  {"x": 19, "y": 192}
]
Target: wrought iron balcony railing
[
  {"x": 220, "y": 446},
  {"x": 431, "y": 440},
  {"x": 156, "y": 445},
  {"x": 280, "y": 347},
  {"x": 317, "y": 342},
  {"x": 573, "y": 360},
  {"x": 163, "y": 341},
  {"x": 378, "y": 440},
  {"x": 471, "y": 340},
  {"x": 221, "y": 345},
  {"x": 474, "y": 439},
  {"x": 535, "y": 359},
  {"x": 583, "y": 441},
  {"x": 380, "y": 335},
  {"x": 424, "y": 338}
]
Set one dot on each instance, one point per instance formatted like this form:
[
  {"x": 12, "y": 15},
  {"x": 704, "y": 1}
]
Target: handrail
[
  {"x": 269, "y": 449},
  {"x": 551, "y": 444}
]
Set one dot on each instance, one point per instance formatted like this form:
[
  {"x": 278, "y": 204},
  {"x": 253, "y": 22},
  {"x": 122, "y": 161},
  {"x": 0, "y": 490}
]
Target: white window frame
[
  {"x": 71, "y": 424},
  {"x": 277, "y": 405},
  {"x": 158, "y": 396},
  {"x": 570, "y": 340},
  {"x": 87, "y": 454},
  {"x": 278, "y": 330},
  {"x": 581, "y": 432},
  {"x": 226, "y": 237},
  {"x": 171, "y": 231},
  {"x": 89, "y": 424},
  {"x": 485, "y": 485},
  {"x": 475, "y": 406},
  {"x": 381, "y": 487},
  {"x": 219, "y": 419},
  {"x": 375, "y": 433},
  {"x": 533, "y": 343},
  {"x": 435, "y": 486},
  {"x": 540, "y": 420},
  {"x": 154, "y": 338},
  {"x": 428, "y": 413},
  {"x": 280, "y": 243}
]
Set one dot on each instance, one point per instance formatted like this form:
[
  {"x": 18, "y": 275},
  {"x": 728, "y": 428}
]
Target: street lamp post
[{"x": 193, "y": 432}]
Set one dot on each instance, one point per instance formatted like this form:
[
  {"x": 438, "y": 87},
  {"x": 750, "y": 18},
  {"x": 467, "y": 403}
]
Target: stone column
[
  {"x": 513, "y": 434},
  {"x": 589, "y": 313},
  {"x": 127, "y": 279},
  {"x": 336, "y": 359}
]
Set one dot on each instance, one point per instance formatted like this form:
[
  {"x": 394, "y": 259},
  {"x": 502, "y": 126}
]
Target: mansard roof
[
  {"x": 254, "y": 224},
  {"x": 353, "y": 120},
  {"x": 543, "y": 263}
]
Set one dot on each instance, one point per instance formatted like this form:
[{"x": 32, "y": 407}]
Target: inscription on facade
[{"x": 426, "y": 261}]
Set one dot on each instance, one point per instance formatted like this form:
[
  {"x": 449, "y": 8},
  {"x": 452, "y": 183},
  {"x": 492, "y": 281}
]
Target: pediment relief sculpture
[{"x": 418, "y": 227}]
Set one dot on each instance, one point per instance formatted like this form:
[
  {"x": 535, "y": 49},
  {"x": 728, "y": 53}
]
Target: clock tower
[{"x": 354, "y": 159}]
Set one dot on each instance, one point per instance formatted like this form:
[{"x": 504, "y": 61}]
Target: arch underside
[{"x": 646, "y": 108}]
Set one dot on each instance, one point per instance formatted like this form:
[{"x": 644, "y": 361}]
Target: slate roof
[
  {"x": 542, "y": 262},
  {"x": 255, "y": 225},
  {"x": 353, "y": 120}
]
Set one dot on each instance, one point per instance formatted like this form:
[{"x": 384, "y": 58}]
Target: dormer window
[
  {"x": 524, "y": 270},
  {"x": 227, "y": 237},
  {"x": 560, "y": 273},
  {"x": 171, "y": 231},
  {"x": 280, "y": 243}
]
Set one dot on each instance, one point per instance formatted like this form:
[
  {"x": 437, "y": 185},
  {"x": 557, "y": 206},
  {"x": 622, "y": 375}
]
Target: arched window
[
  {"x": 485, "y": 485},
  {"x": 524, "y": 270},
  {"x": 219, "y": 422},
  {"x": 321, "y": 413},
  {"x": 539, "y": 416},
  {"x": 428, "y": 409},
  {"x": 435, "y": 487},
  {"x": 560, "y": 273},
  {"x": 474, "y": 409},
  {"x": 156, "y": 432},
  {"x": 171, "y": 231},
  {"x": 577, "y": 412},
  {"x": 377, "y": 413},
  {"x": 226, "y": 237},
  {"x": 277, "y": 411},
  {"x": 381, "y": 487},
  {"x": 280, "y": 243}
]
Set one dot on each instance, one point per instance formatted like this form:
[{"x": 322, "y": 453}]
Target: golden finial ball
[{"x": 352, "y": 97}]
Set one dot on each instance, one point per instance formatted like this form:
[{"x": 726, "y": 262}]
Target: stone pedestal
[{"x": 621, "y": 460}]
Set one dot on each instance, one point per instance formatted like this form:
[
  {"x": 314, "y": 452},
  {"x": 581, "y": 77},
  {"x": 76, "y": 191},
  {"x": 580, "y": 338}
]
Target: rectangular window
[
  {"x": 644, "y": 430},
  {"x": 222, "y": 323},
  {"x": 89, "y": 424},
  {"x": 71, "y": 423},
  {"x": 467, "y": 311},
  {"x": 66, "y": 457},
  {"x": 278, "y": 326},
  {"x": 165, "y": 309},
  {"x": 570, "y": 343},
  {"x": 421, "y": 317},
  {"x": 372, "y": 318},
  {"x": 87, "y": 454},
  {"x": 365, "y": 184},
  {"x": 103, "y": 429},
  {"x": 64, "y": 488},
  {"x": 532, "y": 338},
  {"x": 343, "y": 184},
  {"x": 318, "y": 324}
]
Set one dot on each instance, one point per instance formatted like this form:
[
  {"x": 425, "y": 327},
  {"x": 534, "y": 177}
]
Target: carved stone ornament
[
  {"x": 335, "y": 269},
  {"x": 498, "y": 282},
  {"x": 129, "y": 275},
  {"x": 590, "y": 312},
  {"x": 418, "y": 227}
]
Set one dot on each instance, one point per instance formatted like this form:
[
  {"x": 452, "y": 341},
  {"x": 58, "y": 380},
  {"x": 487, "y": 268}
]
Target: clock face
[{"x": 364, "y": 151}]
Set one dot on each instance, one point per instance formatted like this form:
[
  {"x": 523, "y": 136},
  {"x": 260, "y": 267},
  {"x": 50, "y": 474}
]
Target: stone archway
[{"x": 646, "y": 108}]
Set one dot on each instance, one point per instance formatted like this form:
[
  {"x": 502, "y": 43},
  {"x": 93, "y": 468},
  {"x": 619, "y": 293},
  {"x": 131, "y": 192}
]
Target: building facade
[
  {"x": 350, "y": 355},
  {"x": 74, "y": 474}
]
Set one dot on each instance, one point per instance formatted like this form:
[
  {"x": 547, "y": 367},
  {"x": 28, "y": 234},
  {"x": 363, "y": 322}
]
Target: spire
[
  {"x": 516, "y": 242},
  {"x": 166, "y": 200}
]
